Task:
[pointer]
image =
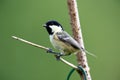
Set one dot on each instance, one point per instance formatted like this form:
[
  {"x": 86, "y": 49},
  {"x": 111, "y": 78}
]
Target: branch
[
  {"x": 47, "y": 49},
  {"x": 76, "y": 28}
]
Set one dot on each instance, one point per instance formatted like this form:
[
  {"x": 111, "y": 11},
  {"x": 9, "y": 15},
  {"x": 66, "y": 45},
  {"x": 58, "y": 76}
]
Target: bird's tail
[{"x": 89, "y": 52}]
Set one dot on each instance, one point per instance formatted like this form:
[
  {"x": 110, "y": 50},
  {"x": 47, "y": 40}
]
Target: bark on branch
[{"x": 76, "y": 29}]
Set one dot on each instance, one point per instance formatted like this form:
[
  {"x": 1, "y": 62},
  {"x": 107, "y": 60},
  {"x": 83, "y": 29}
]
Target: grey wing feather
[{"x": 65, "y": 37}]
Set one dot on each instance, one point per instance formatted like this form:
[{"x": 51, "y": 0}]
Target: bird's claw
[
  {"x": 57, "y": 57},
  {"x": 49, "y": 51}
]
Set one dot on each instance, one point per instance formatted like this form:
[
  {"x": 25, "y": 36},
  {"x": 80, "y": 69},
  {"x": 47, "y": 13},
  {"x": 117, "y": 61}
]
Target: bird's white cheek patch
[{"x": 55, "y": 28}]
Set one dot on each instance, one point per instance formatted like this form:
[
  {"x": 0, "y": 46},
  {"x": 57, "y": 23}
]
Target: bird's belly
[{"x": 65, "y": 49}]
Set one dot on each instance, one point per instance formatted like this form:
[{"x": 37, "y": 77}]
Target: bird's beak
[{"x": 44, "y": 25}]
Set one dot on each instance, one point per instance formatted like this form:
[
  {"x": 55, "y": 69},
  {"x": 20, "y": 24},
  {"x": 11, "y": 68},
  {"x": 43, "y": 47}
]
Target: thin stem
[
  {"x": 68, "y": 63},
  {"x": 45, "y": 48},
  {"x": 30, "y": 43}
]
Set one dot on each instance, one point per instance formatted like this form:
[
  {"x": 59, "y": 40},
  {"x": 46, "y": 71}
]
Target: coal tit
[{"x": 61, "y": 40}]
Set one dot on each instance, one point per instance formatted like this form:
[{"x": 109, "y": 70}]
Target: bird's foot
[
  {"x": 58, "y": 57},
  {"x": 49, "y": 51}
]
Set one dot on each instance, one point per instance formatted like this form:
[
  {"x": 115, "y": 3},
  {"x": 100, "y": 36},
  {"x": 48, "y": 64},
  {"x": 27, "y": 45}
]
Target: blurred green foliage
[{"x": 100, "y": 21}]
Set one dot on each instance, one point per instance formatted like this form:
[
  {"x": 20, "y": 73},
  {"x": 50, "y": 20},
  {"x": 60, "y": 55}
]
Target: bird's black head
[{"x": 53, "y": 26}]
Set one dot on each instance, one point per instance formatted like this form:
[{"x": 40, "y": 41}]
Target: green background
[{"x": 100, "y": 21}]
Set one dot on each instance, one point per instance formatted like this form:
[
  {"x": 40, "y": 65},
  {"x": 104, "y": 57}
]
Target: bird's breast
[{"x": 63, "y": 47}]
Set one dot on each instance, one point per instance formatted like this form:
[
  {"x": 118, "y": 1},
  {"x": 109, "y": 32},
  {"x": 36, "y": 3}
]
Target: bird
[{"x": 61, "y": 40}]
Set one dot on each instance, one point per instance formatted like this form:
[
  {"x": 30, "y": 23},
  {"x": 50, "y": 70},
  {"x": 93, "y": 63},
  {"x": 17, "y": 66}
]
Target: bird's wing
[{"x": 66, "y": 38}]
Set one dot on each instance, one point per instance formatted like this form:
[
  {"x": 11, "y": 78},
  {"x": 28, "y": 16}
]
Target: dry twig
[
  {"x": 45, "y": 48},
  {"x": 76, "y": 28}
]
